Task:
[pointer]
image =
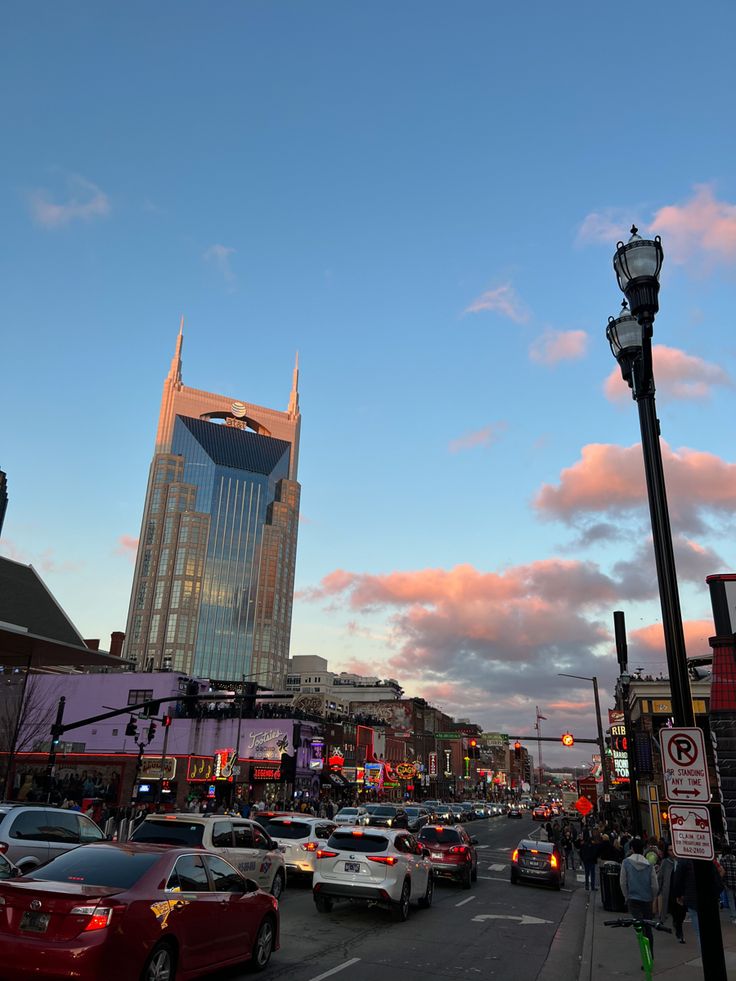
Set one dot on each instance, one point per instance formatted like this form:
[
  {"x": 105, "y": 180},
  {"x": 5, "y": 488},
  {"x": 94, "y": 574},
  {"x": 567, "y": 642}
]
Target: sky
[{"x": 423, "y": 199}]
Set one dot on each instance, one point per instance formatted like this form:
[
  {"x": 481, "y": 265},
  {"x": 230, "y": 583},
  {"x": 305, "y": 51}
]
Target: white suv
[
  {"x": 379, "y": 866},
  {"x": 243, "y": 843},
  {"x": 298, "y": 839}
]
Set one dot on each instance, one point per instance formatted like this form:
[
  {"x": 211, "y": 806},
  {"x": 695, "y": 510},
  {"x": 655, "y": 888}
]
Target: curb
[
  {"x": 586, "y": 957},
  {"x": 564, "y": 951}
]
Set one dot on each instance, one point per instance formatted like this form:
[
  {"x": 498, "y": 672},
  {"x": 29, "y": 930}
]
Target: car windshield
[
  {"x": 356, "y": 841},
  {"x": 288, "y": 829},
  {"x": 439, "y": 836},
  {"x": 186, "y": 833},
  {"x": 346, "y": 811},
  {"x": 98, "y": 866},
  {"x": 385, "y": 811}
]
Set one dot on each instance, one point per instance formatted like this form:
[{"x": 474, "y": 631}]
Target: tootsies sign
[{"x": 266, "y": 739}]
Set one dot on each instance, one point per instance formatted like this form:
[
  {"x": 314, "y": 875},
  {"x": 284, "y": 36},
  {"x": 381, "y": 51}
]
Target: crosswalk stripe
[{"x": 496, "y": 868}]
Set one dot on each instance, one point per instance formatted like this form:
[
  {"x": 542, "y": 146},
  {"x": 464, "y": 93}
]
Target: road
[{"x": 447, "y": 941}]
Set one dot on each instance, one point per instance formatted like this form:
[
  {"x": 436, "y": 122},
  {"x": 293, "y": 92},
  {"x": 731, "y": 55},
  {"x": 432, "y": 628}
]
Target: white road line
[
  {"x": 492, "y": 878},
  {"x": 496, "y": 868},
  {"x": 461, "y": 903},
  {"x": 482, "y": 846},
  {"x": 340, "y": 967}
]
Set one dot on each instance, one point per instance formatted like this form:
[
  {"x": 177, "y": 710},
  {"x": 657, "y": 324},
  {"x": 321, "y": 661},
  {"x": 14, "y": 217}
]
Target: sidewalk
[{"x": 611, "y": 954}]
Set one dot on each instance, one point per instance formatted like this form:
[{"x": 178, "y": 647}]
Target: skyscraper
[
  {"x": 3, "y": 497},
  {"x": 214, "y": 576}
]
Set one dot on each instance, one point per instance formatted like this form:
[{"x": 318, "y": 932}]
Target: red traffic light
[
  {"x": 166, "y": 721},
  {"x": 473, "y": 742},
  {"x": 568, "y": 739},
  {"x": 517, "y": 746}
]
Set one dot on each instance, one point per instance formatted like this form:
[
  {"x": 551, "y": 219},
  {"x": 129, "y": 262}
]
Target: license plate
[
  {"x": 436, "y": 855},
  {"x": 352, "y": 866},
  {"x": 35, "y": 922}
]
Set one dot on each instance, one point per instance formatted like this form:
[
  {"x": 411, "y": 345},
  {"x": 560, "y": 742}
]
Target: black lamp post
[{"x": 637, "y": 265}]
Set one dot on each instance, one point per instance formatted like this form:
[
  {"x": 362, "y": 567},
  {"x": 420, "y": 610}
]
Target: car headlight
[{"x": 389, "y": 822}]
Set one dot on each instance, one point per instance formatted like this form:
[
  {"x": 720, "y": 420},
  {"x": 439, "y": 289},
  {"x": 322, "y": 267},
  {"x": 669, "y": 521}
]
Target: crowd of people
[{"x": 655, "y": 885}]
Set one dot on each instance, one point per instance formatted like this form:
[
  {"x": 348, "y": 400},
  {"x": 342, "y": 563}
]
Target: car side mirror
[
  {"x": 251, "y": 886},
  {"x": 15, "y": 873},
  {"x": 425, "y": 852},
  {"x": 473, "y": 840}
]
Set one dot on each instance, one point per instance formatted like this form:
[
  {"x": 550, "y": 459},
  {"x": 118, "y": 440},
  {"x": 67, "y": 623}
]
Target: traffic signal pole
[{"x": 56, "y": 731}]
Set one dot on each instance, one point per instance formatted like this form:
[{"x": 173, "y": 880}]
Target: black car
[
  {"x": 389, "y": 816},
  {"x": 538, "y": 861},
  {"x": 514, "y": 812}
]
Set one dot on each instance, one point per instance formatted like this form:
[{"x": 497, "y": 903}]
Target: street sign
[
  {"x": 691, "y": 833},
  {"x": 684, "y": 765},
  {"x": 583, "y": 806}
]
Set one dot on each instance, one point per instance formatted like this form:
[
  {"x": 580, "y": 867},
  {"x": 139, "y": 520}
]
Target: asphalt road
[{"x": 450, "y": 940}]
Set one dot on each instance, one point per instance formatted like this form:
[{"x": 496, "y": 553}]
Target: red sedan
[
  {"x": 127, "y": 912},
  {"x": 451, "y": 851}
]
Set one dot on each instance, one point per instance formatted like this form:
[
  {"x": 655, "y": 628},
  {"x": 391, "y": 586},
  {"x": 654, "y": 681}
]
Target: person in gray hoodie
[{"x": 639, "y": 885}]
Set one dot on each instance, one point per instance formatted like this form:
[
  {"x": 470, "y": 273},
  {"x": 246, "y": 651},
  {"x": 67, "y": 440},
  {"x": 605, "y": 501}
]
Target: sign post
[{"x": 684, "y": 765}]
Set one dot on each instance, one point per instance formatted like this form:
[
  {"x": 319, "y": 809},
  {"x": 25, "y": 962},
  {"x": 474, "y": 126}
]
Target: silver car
[
  {"x": 33, "y": 834},
  {"x": 351, "y": 815}
]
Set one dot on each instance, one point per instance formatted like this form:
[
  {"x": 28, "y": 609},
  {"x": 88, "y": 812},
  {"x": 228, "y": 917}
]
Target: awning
[{"x": 336, "y": 780}]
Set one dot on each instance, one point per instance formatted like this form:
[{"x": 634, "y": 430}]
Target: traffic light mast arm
[
  {"x": 59, "y": 729},
  {"x": 547, "y": 739}
]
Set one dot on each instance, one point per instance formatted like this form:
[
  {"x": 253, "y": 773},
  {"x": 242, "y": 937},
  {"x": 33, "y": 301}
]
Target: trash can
[{"x": 611, "y": 895}]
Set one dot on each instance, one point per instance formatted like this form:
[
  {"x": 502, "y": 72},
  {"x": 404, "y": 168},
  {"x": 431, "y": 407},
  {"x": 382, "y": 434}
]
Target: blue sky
[{"x": 423, "y": 199}]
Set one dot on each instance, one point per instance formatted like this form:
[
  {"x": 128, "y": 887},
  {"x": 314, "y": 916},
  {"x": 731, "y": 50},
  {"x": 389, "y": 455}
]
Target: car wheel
[
  {"x": 467, "y": 879},
  {"x": 263, "y": 946},
  {"x": 277, "y": 886},
  {"x": 323, "y": 904},
  {"x": 400, "y": 910},
  {"x": 161, "y": 965},
  {"x": 426, "y": 902}
]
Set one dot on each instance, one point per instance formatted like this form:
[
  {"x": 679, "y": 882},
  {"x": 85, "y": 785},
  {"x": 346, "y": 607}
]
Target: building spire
[
  {"x": 175, "y": 369},
  {"x": 294, "y": 397}
]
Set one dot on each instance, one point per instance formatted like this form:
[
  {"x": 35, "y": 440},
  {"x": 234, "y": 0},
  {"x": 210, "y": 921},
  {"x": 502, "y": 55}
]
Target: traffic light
[
  {"x": 517, "y": 750},
  {"x": 166, "y": 721},
  {"x": 473, "y": 749},
  {"x": 131, "y": 728},
  {"x": 151, "y": 731},
  {"x": 568, "y": 739}
]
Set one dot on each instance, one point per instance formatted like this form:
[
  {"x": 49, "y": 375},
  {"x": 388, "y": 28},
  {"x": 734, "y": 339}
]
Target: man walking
[{"x": 640, "y": 886}]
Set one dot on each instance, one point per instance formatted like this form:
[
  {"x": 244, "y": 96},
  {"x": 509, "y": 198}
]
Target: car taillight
[
  {"x": 323, "y": 853},
  {"x": 515, "y": 856},
  {"x": 553, "y": 861},
  {"x": 3, "y": 846},
  {"x": 357, "y": 834},
  {"x": 458, "y": 850},
  {"x": 100, "y": 916},
  {"x": 383, "y": 859},
  {"x": 310, "y": 846}
]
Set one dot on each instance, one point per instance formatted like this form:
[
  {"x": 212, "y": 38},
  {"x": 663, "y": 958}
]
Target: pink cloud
[
  {"x": 605, "y": 227},
  {"x": 481, "y": 437},
  {"x": 559, "y": 345},
  {"x": 610, "y": 479},
  {"x": 127, "y": 545},
  {"x": 703, "y": 224},
  {"x": 678, "y": 376},
  {"x": 697, "y": 632},
  {"x": 502, "y": 300},
  {"x": 86, "y": 202}
]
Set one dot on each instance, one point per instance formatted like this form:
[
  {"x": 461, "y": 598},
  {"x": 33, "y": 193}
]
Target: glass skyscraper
[{"x": 214, "y": 577}]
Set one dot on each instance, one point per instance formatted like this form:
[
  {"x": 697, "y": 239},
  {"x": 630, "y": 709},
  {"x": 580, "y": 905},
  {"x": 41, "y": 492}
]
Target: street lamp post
[
  {"x": 637, "y": 265},
  {"x": 599, "y": 721}
]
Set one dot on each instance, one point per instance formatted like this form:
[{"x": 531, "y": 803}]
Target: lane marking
[
  {"x": 482, "y": 846},
  {"x": 461, "y": 903},
  {"x": 496, "y": 868},
  {"x": 525, "y": 920},
  {"x": 491, "y": 878},
  {"x": 340, "y": 967}
]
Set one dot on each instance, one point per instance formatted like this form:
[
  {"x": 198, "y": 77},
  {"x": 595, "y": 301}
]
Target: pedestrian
[
  {"x": 686, "y": 894},
  {"x": 589, "y": 851},
  {"x": 639, "y": 885},
  {"x": 728, "y": 864},
  {"x": 665, "y": 871},
  {"x": 569, "y": 849}
]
